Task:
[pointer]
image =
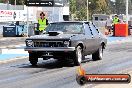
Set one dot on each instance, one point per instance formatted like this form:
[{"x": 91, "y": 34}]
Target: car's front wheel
[
  {"x": 33, "y": 59},
  {"x": 98, "y": 55},
  {"x": 79, "y": 56}
]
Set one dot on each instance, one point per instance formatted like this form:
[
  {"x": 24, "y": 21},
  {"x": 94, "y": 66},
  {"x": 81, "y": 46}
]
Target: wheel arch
[
  {"x": 103, "y": 45},
  {"x": 81, "y": 45}
]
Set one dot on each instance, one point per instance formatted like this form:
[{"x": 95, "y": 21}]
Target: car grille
[{"x": 49, "y": 44}]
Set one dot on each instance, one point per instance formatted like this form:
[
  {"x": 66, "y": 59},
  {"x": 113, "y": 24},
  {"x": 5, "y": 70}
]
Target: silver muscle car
[{"x": 67, "y": 40}]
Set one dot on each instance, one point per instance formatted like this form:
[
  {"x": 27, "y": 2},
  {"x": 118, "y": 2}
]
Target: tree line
[
  {"x": 12, "y": 2},
  {"x": 78, "y": 8}
]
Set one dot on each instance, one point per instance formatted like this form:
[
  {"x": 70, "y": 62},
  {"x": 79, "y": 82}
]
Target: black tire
[
  {"x": 81, "y": 80},
  {"x": 33, "y": 59},
  {"x": 62, "y": 62},
  {"x": 33, "y": 63},
  {"x": 79, "y": 56},
  {"x": 98, "y": 54}
]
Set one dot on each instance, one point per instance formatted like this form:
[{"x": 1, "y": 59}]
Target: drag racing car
[{"x": 67, "y": 40}]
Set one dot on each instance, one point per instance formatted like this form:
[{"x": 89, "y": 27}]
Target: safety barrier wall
[{"x": 121, "y": 30}]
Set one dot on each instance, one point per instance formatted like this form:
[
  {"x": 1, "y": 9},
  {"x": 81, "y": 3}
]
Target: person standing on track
[
  {"x": 116, "y": 20},
  {"x": 108, "y": 25},
  {"x": 43, "y": 22}
]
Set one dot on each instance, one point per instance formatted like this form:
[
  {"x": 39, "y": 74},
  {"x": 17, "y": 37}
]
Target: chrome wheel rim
[
  {"x": 79, "y": 56},
  {"x": 101, "y": 52}
]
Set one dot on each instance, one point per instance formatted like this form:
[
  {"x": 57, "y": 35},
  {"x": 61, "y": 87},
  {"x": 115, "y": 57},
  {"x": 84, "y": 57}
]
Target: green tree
[
  {"x": 93, "y": 5},
  {"x": 103, "y": 7},
  {"x": 118, "y": 7},
  {"x": 78, "y": 8},
  {"x": 130, "y": 7},
  {"x": 72, "y": 8},
  {"x": 3, "y": 1},
  {"x": 81, "y": 11}
]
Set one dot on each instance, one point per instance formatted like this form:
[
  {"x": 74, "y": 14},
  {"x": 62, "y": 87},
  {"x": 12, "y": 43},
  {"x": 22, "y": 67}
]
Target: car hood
[{"x": 46, "y": 36}]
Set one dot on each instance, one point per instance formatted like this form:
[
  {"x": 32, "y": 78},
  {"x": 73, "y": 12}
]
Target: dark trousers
[
  {"x": 36, "y": 32},
  {"x": 113, "y": 30}
]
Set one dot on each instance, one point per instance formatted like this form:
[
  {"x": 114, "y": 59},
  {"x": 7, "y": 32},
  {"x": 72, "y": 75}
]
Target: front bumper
[{"x": 63, "y": 49}]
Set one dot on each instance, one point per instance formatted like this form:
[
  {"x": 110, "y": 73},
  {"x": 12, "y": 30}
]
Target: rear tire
[
  {"x": 79, "y": 56},
  {"x": 98, "y": 55},
  {"x": 34, "y": 63},
  {"x": 33, "y": 59}
]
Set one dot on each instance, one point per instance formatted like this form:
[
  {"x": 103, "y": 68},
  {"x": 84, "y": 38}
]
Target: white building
[{"x": 59, "y": 12}]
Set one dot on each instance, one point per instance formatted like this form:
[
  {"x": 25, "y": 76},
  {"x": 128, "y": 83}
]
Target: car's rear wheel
[
  {"x": 79, "y": 56},
  {"x": 98, "y": 55},
  {"x": 33, "y": 59},
  {"x": 34, "y": 63}
]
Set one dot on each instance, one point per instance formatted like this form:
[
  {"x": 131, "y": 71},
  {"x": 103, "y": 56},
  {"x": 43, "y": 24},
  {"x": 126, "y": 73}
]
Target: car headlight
[
  {"x": 29, "y": 43},
  {"x": 66, "y": 43}
]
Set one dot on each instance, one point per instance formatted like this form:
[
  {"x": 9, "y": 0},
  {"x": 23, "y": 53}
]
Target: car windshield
[{"x": 66, "y": 28}]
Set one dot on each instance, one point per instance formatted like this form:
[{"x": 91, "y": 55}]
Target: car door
[
  {"x": 89, "y": 40},
  {"x": 96, "y": 36}
]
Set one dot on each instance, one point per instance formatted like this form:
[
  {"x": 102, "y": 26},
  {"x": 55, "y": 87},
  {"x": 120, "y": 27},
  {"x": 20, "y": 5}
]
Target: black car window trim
[
  {"x": 85, "y": 30},
  {"x": 90, "y": 29},
  {"x": 95, "y": 29}
]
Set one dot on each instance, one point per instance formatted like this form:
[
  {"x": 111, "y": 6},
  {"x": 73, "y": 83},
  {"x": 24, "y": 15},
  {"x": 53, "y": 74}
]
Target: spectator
[
  {"x": 115, "y": 21},
  {"x": 108, "y": 25}
]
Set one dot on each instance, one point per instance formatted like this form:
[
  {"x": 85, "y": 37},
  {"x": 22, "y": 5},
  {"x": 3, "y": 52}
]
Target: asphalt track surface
[
  {"x": 52, "y": 74},
  {"x": 13, "y": 47},
  {"x": 6, "y": 42}
]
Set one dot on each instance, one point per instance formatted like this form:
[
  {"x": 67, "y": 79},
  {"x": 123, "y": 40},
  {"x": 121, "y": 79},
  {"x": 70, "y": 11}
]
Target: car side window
[
  {"x": 94, "y": 30},
  {"x": 87, "y": 30},
  {"x": 79, "y": 28}
]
